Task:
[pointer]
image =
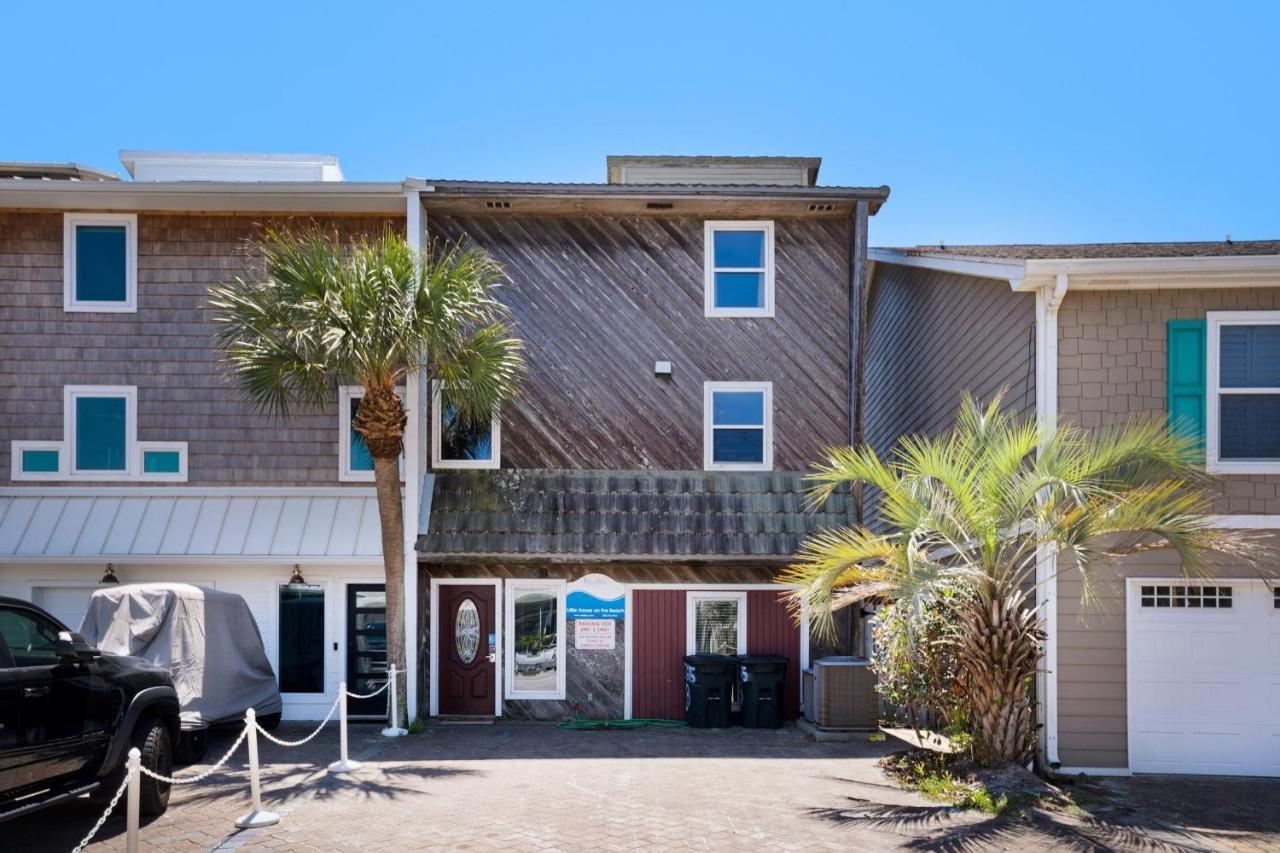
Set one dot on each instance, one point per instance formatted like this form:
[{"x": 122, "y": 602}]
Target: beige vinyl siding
[
  {"x": 933, "y": 336},
  {"x": 1112, "y": 361}
]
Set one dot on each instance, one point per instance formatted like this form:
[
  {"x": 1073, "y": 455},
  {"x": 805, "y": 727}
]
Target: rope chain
[
  {"x": 377, "y": 692},
  {"x": 266, "y": 734},
  {"x": 110, "y": 807},
  {"x": 188, "y": 780}
]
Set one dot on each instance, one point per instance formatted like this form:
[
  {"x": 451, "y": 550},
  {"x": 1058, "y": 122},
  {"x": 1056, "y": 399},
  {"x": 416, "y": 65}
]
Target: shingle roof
[
  {"x": 676, "y": 514},
  {"x": 1065, "y": 251}
]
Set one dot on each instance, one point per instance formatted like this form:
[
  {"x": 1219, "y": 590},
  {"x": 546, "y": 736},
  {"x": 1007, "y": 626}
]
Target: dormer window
[
  {"x": 100, "y": 262},
  {"x": 738, "y": 269}
]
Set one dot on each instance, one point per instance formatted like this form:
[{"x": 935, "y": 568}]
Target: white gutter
[{"x": 997, "y": 268}]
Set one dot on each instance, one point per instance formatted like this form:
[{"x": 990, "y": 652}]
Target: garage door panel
[{"x": 1161, "y": 648}]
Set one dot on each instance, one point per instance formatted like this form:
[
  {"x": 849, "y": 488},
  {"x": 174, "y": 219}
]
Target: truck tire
[
  {"x": 270, "y": 722},
  {"x": 151, "y": 737},
  {"x": 191, "y": 746}
]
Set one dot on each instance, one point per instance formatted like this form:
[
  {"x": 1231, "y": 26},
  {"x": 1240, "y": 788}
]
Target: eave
[{"x": 350, "y": 197}]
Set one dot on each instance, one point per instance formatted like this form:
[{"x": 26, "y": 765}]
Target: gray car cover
[{"x": 206, "y": 638}]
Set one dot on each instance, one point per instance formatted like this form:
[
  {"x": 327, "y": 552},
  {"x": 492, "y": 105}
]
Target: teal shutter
[{"x": 1187, "y": 365}]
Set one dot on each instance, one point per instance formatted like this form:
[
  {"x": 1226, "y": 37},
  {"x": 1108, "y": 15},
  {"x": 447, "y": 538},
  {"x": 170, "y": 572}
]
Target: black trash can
[
  {"x": 708, "y": 690},
  {"x": 763, "y": 681}
]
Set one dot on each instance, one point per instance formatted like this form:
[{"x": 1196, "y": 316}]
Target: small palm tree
[
  {"x": 316, "y": 313},
  {"x": 963, "y": 520}
]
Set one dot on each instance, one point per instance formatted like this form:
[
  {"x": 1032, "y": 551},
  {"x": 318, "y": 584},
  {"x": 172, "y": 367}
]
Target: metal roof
[
  {"x": 1068, "y": 251},
  {"x": 124, "y": 522}
]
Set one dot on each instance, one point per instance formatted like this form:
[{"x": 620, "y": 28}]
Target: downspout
[
  {"x": 859, "y": 288},
  {"x": 1048, "y": 301},
  {"x": 413, "y": 463}
]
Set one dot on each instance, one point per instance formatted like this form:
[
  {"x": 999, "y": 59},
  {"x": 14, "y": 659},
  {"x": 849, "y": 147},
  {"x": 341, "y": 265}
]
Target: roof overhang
[
  {"x": 1198, "y": 272},
  {"x": 350, "y": 197}
]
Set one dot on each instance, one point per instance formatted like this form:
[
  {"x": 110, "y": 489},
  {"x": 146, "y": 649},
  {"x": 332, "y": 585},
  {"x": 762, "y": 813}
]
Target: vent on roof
[
  {"x": 821, "y": 208},
  {"x": 659, "y": 205},
  {"x": 498, "y": 205}
]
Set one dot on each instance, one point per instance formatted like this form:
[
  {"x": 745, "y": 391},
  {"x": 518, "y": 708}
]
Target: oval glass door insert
[{"x": 466, "y": 631}]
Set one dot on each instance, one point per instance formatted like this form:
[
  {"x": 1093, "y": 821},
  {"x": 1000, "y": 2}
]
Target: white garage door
[
  {"x": 1204, "y": 677},
  {"x": 67, "y": 603}
]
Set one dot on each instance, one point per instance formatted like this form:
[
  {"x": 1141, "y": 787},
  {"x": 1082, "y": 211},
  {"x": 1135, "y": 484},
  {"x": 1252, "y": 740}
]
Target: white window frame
[
  {"x": 346, "y": 394},
  {"x": 710, "y": 228},
  {"x": 691, "y": 616},
  {"x": 708, "y": 427},
  {"x": 69, "y": 223},
  {"x": 514, "y": 588},
  {"x": 1215, "y": 320},
  {"x": 133, "y": 470},
  {"x": 495, "y": 439}
]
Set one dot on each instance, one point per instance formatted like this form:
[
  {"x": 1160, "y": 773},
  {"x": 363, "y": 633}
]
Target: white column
[{"x": 415, "y": 226}]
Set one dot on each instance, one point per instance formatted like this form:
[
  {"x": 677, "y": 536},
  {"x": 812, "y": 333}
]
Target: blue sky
[{"x": 1014, "y": 122}]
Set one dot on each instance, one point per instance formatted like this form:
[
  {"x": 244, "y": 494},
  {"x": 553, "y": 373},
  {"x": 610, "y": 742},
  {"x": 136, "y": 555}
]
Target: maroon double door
[{"x": 468, "y": 650}]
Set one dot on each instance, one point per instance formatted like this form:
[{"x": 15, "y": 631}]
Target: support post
[
  {"x": 134, "y": 806},
  {"x": 343, "y": 764},
  {"x": 393, "y": 729},
  {"x": 257, "y": 816}
]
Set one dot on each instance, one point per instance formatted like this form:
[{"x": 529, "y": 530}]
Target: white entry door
[{"x": 1204, "y": 677}]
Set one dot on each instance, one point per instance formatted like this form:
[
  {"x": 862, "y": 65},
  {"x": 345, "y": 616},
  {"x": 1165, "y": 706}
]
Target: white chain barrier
[
  {"x": 190, "y": 780},
  {"x": 291, "y": 743},
  {"x": 110, "y": 808}
]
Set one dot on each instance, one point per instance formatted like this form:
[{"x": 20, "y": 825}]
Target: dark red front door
[{"x": 468, "y": 650}]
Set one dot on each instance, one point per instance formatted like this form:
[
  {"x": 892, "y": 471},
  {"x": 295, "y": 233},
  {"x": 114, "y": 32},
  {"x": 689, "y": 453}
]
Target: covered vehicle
[{"x": 207, "y": 639}]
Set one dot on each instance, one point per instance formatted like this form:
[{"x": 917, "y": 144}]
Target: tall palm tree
[
  {"x": 968, "y": 515},
  {"x": 315, "y": 313}
]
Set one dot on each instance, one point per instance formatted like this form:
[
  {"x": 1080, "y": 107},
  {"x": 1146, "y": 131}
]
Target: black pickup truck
[{"x": 68, "y": 716}]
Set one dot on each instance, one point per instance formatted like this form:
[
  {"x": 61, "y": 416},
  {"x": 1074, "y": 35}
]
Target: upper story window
[
  {"x": 738, "y": 426},
  {"x": 1242, "y": 433},
  {"x": 738, "y": 269},
  {"x": 459, "y": 443},
  {"x": 100, "y": 442},
  {"x": 355, "y": 464},
  {"x": 100, "y": 262}
]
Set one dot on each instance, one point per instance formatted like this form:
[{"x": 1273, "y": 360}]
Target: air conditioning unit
[{"x": 840, "y": 693}]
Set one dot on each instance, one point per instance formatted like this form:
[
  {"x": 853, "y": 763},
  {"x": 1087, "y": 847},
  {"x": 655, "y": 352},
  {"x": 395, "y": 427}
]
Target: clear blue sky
[{"x": 1001, "y": 123}]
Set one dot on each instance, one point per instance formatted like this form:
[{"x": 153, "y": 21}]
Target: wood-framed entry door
[{"x": 468, "y": 649}]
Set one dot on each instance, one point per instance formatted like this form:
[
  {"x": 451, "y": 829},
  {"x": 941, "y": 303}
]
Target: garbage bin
[
  {"x": 763, "y": 680},
  {"x": 708, "y": 690}
]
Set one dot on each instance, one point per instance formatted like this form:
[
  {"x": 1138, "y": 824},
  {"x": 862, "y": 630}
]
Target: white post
[
  {"x": 393, "y": 730},
  {"x": 134, "y": 806},
  {"x": 343, "y": 764},
  {"x": 256, "y": 815}
]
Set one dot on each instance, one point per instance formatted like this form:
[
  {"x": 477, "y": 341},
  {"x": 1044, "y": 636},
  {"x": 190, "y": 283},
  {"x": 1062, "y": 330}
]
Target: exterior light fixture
[
  {"x": 296, "y": 579},
  {"x": 109, "y": 576},
  {"x": 662, "y": 368}
]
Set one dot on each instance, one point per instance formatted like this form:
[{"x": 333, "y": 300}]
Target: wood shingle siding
[
  {"x": 600, "y": 299},
  {"x": 166, "y": 349}
]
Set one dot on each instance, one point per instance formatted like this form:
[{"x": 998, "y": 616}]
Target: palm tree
[
  {"x": 315, "y": 313},
  {"x": 963, "y": 520}
]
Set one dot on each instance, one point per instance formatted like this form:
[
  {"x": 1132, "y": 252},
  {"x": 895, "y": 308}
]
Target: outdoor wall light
[
  {"x": 109, "y": 576},
  {"x": 296, "y": 579},
  {"x": 662, "y": 368}
]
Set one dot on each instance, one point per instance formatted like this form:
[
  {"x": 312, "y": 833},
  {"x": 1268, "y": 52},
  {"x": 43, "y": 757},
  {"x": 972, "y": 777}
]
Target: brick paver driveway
[{"x": 534, "y": 787}]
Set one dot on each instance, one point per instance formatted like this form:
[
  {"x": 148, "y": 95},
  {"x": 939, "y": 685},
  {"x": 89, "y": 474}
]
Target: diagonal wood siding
[
  {"x": 772, "y": 631},
  {"x": 599, "y": 299}
]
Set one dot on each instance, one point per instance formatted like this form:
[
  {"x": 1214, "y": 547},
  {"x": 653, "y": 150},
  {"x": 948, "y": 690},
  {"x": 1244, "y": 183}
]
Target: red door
[{"x": 468, "y": 650}]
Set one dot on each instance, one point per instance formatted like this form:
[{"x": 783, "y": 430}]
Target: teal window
[
  {"x": 101, "y": 437},
  {"x": 102, "y": 263},
  {"x": 40, "y": 461},
  {"x": 739, "y": 269},
  {"x": 361, "y": 460},
  {"x": 161, "y": 462}
]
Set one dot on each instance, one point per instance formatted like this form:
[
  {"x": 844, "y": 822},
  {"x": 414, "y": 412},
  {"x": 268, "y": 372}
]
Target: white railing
[{"x": 257, "y": 815}]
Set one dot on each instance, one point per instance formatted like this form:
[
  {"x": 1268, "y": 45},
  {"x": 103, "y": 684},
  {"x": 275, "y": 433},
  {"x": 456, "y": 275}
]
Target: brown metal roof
[{"x": 1068, "y": 251}]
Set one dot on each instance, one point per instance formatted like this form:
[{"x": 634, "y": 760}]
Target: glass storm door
[{"x": 367, "y": 648}]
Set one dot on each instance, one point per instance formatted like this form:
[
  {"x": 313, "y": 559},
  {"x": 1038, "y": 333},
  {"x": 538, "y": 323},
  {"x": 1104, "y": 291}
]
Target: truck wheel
[
  {"x": 191, "y": 746},
  {"x": 151, "y": 737},
  {"x": 270, "y": 722}
]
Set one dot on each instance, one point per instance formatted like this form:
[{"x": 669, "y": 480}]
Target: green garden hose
[{"x": 580, "y": 724}]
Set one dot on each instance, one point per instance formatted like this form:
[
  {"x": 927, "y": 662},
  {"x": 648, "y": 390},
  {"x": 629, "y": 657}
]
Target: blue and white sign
[{"x": 596, "y": 596}]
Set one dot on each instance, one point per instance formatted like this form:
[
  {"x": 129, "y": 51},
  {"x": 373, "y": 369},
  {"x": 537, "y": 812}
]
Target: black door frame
[{"x": 375, "y": 708}]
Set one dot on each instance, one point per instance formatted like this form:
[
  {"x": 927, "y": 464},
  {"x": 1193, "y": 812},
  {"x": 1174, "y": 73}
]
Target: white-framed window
[
  {"x": 737, "y": 426},
  {"x": 99, "y": 442},
  {"x": 457, "y": 443},
  {"x": 715, "y": 623},
  {"x": 534, "y": 629},
  {"x": 738, "y": 269},
  {"x": 100, "y": 262},
  {"x": 1242, "y": 394},
  {"x": 301, "y": 643}
]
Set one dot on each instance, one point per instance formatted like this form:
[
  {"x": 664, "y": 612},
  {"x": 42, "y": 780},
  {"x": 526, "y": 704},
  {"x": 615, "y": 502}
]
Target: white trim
[
  {"x": 70, "y": 221},
  {"x": 708, "y": 390},
  {"x": 628, "y": 656},
  {"x": 691, "y": 600},
  {"x": 978, "y": 267},
  {"x": 330, "y": 606},
  {"x": 1214, "y": 321},
  {"x": 189, "y": 491},
  {"x": 18, "y": 447},
  {"x": 412, "y": 467},
  {"x": 513, "y": 588},
  {"x": 347, "y": 393},
  {"x": 495, "y": 439},
  {"x": 1246, "y": 522},
  {"x": 709, "y": 269},
  {"x": 70, "y": 394},
  {"x": 180, "y": 447},
  {"x": 433, "y": 693}
]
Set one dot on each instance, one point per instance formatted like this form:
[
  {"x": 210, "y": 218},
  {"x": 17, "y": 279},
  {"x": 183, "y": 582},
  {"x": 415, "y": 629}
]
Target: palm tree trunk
[
  {"x": 386, "y": 476},
  {"x": 998, "y": 661}
]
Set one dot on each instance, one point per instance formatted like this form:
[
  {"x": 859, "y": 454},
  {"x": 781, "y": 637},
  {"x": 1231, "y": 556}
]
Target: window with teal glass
[
  {"x": 360, "y": 458},
  {"x": 100, "y": 262},
  {"x": 161, "y": 462},
  {"x": 40, "y": 461},
  {"x": 101, "y": 433}
]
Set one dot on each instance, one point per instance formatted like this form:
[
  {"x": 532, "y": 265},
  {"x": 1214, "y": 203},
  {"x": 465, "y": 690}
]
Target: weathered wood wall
[{"x": 599, "y": 299}]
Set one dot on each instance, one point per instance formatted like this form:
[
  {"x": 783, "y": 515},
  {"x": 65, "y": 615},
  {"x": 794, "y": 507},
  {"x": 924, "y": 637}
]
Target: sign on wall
[
  {"x": 593, "y": 634},
  {"x": 596, "y": 596}
]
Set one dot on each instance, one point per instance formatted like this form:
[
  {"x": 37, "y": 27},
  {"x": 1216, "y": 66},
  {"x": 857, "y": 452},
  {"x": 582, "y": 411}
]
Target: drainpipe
[
  {"x": 415, "y": 226},
  {"x": 1048, "y": 301}
]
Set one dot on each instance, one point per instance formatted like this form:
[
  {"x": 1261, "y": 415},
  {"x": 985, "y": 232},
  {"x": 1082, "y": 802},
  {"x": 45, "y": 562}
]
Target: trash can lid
[
  {"x": 708, "y": 660},
  {"x": 756, "y": 659}
]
